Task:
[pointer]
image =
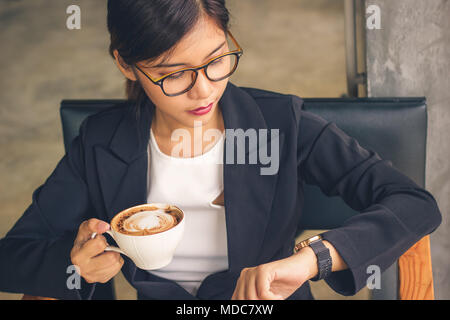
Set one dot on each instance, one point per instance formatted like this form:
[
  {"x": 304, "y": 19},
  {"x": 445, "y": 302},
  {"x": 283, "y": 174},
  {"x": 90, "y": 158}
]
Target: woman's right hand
[{"x": 89, "y": 255}]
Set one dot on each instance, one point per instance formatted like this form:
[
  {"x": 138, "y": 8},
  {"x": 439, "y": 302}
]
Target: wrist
[{"x": 310, "y": 262}]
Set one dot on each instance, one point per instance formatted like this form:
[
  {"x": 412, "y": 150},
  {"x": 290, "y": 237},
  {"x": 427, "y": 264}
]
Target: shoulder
[
  {"x": 277, "y": 108},
  {"x": 290, "y": 105},
  {"x": 101, "y": 126},
  {"x": 267, "y": 98}
]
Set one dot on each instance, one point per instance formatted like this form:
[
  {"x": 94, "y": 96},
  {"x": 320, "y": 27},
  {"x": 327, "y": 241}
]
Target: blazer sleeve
[
  {"x": 395, "y": 212},
  {"x": 35, "y": 253}
]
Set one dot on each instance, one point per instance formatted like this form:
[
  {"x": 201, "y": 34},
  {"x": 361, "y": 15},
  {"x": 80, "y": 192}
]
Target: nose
[{"x": 202, "y": 88}]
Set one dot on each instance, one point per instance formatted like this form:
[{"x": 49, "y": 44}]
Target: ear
[{"x": 126, "y": 69}]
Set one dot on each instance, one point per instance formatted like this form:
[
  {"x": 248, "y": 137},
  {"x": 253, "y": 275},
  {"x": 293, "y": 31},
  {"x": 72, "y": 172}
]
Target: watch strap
[{"x": 324, "y": 262}]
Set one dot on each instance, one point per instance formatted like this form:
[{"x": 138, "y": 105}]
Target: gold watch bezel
[{"x": 307, "y": 242}]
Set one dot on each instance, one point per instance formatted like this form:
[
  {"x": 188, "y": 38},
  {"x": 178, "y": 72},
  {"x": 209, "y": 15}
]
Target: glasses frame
[{"x": 159, "y": 81}]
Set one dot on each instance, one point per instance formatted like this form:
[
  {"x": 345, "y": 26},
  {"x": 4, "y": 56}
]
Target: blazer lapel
[
  {"x": 122, "y": 167},
  {"x": 248, "y": 194}
]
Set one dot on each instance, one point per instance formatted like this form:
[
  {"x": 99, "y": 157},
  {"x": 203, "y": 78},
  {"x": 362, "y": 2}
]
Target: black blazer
[{"x": 105, "y": 171}]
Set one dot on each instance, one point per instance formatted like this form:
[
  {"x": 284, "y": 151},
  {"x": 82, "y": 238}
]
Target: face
[{"x": 193, "y": 49}]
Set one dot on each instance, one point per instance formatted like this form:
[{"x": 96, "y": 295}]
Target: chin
[{"x": 204, "y": 120}]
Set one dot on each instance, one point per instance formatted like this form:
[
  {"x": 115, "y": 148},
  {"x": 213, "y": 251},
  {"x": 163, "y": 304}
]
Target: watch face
[{"x": 307, "y": 242}]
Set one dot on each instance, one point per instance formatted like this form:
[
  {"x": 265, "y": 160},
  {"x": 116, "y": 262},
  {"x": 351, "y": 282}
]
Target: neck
[{"x": 163, "y": 127}]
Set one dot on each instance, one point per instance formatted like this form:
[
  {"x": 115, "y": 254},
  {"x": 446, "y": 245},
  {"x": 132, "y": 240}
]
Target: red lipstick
[{"x": 202, "y": 110}]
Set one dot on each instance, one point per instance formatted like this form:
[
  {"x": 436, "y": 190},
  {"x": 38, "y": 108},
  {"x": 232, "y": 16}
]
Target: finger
[
  {"x": 98, "y": 266},
  {"x": 96, "y": 225},
  {"x": 237, "y": 289},
  {"x": 106, "y": 259},
  {"x": 90, "y": 226},
  {"x": 92, "y": 248},
  {"x": 106, "y": 266},
  {"x": 262, "y": 285},
  {"x": 240, "y": 288},
  {"x": 82, "y": 253},
  {"x": 250, "y": 286}
]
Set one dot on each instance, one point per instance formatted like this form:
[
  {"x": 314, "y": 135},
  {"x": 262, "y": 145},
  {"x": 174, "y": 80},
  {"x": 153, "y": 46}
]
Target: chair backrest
[{"x": 396, "y": 128}]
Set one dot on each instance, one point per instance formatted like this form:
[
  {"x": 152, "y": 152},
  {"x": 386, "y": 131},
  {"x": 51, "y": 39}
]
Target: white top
[{"x": 192, "y": 184}]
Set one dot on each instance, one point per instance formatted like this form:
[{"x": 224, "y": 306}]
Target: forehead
[{"x": 195, "y": 45}]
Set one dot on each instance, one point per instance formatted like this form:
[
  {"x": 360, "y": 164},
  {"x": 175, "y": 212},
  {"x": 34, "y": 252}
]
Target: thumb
[
  {"x": 264, "y": 280},
  {"x": 102, "y": 227},
  {"x": 96, "y": 225},
  {"x": 88, "y": 227}
]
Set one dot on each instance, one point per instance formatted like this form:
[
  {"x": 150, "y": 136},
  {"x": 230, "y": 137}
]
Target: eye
[
  {"x": 217, "y": 61},
  {"x": 175, "y": 75}
]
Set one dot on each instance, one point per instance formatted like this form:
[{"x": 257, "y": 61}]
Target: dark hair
[{"x": 146, "y": 29}]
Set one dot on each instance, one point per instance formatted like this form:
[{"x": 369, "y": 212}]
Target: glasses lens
[
  {"x": 218, "y": 69},
  {"x": 178, "y": 82},
  {"x": 222, "y": 67}
]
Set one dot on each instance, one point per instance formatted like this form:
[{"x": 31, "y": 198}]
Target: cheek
[
  {"x": 220, "y": 88},
  {"x": 221, "y": 85},
  {"x": 173, "y": 105},
  {"x": 159, "y": 99},
  {"x": 168, "y": 105}
]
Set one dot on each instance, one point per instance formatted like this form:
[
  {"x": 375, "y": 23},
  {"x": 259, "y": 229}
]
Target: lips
[{"x": 202, "y": 110}]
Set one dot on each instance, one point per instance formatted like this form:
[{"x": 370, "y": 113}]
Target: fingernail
[{"x": 104, "y": 226}]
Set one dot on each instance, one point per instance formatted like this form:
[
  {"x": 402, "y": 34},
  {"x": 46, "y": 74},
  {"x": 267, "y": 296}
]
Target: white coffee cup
[{"x": 148, "y": 252}]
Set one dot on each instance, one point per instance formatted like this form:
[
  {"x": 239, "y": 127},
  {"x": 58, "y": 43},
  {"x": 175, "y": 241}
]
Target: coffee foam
[
  {"x": 151, "y": 221},
  {"x": 147, "y": 221}
]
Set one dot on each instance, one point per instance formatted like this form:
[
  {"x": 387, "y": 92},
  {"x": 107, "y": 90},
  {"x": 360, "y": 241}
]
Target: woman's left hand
[{"x": 276, "y": 280}]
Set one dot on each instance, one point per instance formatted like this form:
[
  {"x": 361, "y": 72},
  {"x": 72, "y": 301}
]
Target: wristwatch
[{"x": 322, "y": 254}]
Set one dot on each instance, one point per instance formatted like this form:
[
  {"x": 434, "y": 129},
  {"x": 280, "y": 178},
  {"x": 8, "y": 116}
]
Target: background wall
[{"x": 410, "y": 56}]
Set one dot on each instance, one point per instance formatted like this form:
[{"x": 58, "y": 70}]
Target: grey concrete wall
[{"x": 410, "y": 56}]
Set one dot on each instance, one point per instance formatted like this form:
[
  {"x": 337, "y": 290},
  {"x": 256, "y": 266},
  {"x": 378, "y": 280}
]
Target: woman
[{"x": 177, "y": 57}]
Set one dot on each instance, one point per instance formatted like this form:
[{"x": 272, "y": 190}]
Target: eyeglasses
[{"x": 181, "y": 81}]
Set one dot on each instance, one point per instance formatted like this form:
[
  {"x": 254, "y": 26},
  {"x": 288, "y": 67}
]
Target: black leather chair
[{"x": 396, "y": 128}]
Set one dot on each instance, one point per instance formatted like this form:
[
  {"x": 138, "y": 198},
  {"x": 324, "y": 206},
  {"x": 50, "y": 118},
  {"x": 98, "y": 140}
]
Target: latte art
[
  {"x": 146, "y": 221},
  {"x": 149, "y": 222}
]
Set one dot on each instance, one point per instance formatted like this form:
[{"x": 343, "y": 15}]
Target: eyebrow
[{"x": 167, "y": 65}]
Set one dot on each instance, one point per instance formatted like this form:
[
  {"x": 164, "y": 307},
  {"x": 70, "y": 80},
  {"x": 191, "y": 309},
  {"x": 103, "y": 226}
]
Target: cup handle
[{"x": 110, "y": 248}]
